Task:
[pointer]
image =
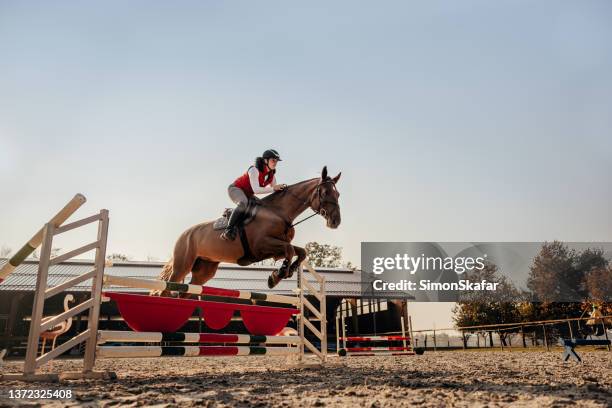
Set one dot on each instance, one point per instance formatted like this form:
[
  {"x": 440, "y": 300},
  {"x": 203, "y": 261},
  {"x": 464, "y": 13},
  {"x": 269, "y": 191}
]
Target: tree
[
  {"x": 599, "y": 284},
  {"x": 559, "y": 274},
  {"x": 323, "y": 255},
  {"x": 266, "y": 262},
  {"x": 479, "y": 307},
  {"x": 117, "y": 257}
]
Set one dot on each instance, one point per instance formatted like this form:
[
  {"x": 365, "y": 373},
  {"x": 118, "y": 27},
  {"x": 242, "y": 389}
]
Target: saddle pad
[{"x": 221, "y": 222}]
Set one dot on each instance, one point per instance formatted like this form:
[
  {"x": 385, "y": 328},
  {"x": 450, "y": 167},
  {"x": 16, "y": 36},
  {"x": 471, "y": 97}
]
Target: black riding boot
[{"x": 230, "y": 231}]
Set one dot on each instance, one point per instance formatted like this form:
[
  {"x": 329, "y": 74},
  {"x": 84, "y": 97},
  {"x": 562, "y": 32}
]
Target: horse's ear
[
  {"x": 324, "y": 173},
  {"x": 335, "y": 179}
]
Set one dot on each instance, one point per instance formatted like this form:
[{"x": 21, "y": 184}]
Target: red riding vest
[{"x": 243, "y": 182}]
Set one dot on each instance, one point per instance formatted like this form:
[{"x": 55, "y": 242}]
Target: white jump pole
[
  {"x": 105, "y": 336},
  {"x": 159, "y": 285},
  {"x": 192, "y": 351}
]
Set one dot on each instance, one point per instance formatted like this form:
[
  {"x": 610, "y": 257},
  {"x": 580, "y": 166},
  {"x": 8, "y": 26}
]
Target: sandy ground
[{"x": 440, "y": 379}]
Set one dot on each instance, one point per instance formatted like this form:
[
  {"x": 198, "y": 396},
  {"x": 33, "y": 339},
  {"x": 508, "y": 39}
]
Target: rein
[{"x": 302, "y": 220}]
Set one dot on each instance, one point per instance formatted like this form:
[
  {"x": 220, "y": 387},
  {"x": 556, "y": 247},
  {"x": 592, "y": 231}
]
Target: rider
[{"x": 258, "y": 179}]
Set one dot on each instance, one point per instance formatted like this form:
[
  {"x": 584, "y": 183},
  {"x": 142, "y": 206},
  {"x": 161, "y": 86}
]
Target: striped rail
[
  {"x": 375, "y": 338},
  {"x": 106, "y": 336},
  {"x": 382, "y": 353},
  {"x": 390, "y": 348},
  {"x": 196, "y": 289},
  {"x": 372, "y": 350},
  {"x": 192, "y": 351}
]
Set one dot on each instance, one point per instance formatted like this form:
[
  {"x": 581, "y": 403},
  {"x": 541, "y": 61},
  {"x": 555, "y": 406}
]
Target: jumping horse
[{"x": 200, "y": 249}]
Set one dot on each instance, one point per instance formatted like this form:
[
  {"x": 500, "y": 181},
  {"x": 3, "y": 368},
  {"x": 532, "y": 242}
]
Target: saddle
[{"x": 251, "y": 211}]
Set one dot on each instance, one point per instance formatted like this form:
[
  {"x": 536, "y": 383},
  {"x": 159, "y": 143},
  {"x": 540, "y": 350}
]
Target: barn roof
[{"x": 339, "y": 281}]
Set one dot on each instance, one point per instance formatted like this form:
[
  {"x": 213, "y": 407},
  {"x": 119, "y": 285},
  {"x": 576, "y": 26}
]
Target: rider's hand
[{"x": 279, "y": 187}]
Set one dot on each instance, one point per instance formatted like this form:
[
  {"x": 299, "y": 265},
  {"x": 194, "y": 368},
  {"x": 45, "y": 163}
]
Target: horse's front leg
[
  {"x": 280, "y": 249},
  {"x": 283, "y": 271},
  {"x": 301, "y": 255}
]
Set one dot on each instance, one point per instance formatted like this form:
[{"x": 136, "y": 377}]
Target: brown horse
[{"x": 200, "y": 249}]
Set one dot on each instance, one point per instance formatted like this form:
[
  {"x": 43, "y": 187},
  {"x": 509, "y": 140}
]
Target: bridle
[{"x": 320, "y": 210}]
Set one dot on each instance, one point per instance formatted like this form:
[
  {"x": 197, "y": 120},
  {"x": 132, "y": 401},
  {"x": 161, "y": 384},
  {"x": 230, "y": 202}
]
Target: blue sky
[{"x": 451, "y": 121}]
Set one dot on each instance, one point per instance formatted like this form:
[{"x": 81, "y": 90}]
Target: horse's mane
[{"x": 270, "y": 198}]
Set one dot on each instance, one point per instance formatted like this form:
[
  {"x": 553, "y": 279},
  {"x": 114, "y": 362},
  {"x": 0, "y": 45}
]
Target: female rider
[{"x": 258, "y": 179}]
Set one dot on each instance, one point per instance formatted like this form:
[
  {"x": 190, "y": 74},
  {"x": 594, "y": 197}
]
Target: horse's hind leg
[
  {"x": 178, "y": 267},
  {"x": 203, "y": 271}
]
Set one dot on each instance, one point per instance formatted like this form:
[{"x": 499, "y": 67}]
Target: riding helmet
[{"x": 271, "y": 154}]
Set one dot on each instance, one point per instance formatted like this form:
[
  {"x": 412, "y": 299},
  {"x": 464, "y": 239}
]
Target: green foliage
[
  {"x": 479, "y": 307},
  {"x": 552, "y": 268},
  {"x": 117, "y": 257},
  {"x": 599, "y": 284},
  {"x": 324, "y": 255},
  {"x": 557, "y": 273}
]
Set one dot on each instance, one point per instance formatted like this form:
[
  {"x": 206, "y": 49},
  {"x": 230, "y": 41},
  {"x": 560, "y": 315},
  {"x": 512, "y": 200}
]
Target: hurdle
[
  {"x": 262, "y": 322},
  {"x": 570, "y": 345},
  {"x": 344, "y": 350},
  {"x": 172, "y": 313}
]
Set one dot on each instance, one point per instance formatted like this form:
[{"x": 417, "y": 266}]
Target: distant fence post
[
  {"x": 603, "y": 323},
  {"x": 434, "y": 339}
]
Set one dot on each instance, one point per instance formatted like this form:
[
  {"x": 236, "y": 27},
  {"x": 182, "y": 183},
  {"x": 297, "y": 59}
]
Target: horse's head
[{"x": 325, "y": 199}]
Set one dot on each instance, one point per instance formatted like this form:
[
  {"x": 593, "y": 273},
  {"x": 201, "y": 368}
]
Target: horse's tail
[{"x": 164, "y": 275}]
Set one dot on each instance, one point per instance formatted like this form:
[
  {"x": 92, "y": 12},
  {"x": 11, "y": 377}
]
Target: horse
[{"x": 200, "y": 249}]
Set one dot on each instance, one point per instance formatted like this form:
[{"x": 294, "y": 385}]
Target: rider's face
[{"x": 272, "y": 163}]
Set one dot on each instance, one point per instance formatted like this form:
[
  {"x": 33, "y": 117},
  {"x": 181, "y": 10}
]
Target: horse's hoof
[{"x": 271, "y": 282}]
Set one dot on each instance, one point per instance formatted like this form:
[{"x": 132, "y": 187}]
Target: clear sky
[{"x": 450, "y": 121}]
